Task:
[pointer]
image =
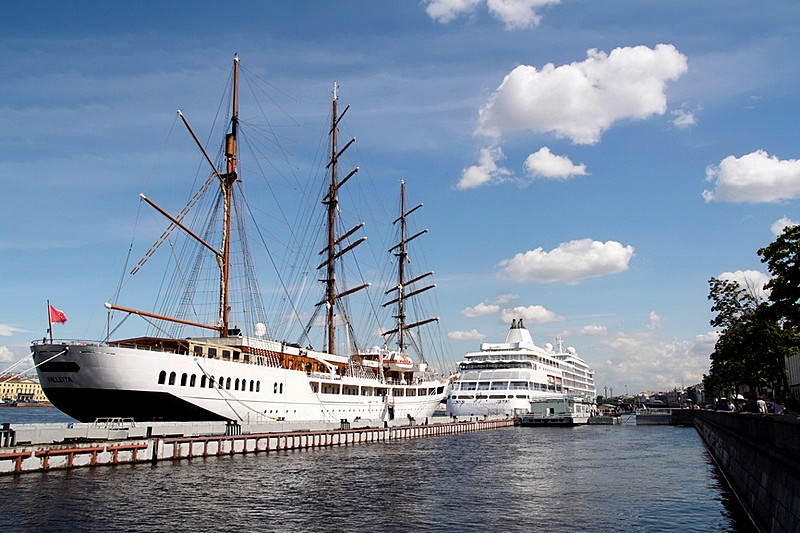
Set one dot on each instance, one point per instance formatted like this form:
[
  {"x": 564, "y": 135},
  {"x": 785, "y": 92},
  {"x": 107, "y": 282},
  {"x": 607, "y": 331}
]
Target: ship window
[
  {"x": 183, "y": 379},
  {"x": 467, "y": 397},
  {"x": 483, "y": 385},
  {"x": 198, "y": 351},
  {"x": 499, "y": 385},
  {"x": 236, "y": 385},
  {"x": 468, "y": 385},
  {"x": 497, "y": 396},
  {"x": 251, "y": 385},
  {"x": 439, "y": 390},
  {"x": 280, "y": 389},
  {"x": 228, "y": 384},
  {"x": 221, "y": 383},
  {"x": 399, "y": 392},
  {"x": 203, "y": 381},
  {"x": 212, "y": 353},
  {"x": 275, "y": 388},
  {"x": 226, "y": 354},
  {"x": 162, "y": 377},
  {"x": 172, "y": 378},
  {"x": 258, "y": 386},
  {"x": 246, "y": 357},
  {"x": 522, "y": 396},
  {"x": 235, "y": 355},
  {"x": 411, "y": 392},
  {"x": 193, "y": 381},
  {"x": 519, "y": 385}
]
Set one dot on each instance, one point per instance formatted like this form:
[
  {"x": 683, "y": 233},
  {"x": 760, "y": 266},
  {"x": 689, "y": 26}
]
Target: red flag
[{"x": 56, "y": 315}]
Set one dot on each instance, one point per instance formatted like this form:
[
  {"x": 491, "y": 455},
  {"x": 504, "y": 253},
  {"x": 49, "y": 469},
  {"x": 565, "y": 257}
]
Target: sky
[{"x": 585, "y": 166}]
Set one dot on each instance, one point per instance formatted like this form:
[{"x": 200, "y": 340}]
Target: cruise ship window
[
  {"x": 184, "y": 377},
  {"x": 221, "y": 383},
  {"x": 275, "y": 388},
  {"x": 193, "y": 381},
  {"x": 212, "y": 353},
  {"x": 280, "y": 389},
  {"x": 162, "y": 377},
  {"x": 203, "y": 381},
  {"x": 228, "y": 384},
  {"x": 483, "y": 385},
  {"x": 258, "y": 386},
  {"x": 198, "y": 351},
  {"x": 172, "y": 378},
  {"x": 236, "y": 385},
  {"x": 499, "y": 385},
  {"x": 519, "y": 385}
]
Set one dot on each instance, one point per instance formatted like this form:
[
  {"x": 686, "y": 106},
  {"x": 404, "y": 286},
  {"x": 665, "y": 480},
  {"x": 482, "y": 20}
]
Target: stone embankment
[{"x": 759, "y": 455}]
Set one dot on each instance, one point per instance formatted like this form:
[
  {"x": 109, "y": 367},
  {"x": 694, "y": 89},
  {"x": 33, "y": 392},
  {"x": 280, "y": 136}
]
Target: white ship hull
[{"x": 90, "y": 381}]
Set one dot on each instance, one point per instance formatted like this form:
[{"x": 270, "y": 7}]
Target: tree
[
  {"x": 783, "y": 261},
  {"x": 752, "y": 345}
]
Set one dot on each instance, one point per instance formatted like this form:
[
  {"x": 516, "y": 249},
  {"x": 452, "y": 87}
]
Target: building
[{"x": 21, "y": 389}]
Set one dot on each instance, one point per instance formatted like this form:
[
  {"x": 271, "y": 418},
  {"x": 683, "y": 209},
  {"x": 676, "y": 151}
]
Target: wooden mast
[
  {"x": 227, "y": 181},
  {"x": 402, "y": 283},
  {"x": 332, "y": 202}
]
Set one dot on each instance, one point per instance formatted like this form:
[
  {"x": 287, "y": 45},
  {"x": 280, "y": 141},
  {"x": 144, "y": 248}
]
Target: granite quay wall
[{"x": 759, "y": 455}]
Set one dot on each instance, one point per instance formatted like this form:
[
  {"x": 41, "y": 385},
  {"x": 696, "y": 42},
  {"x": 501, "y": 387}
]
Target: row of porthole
[{"x": 223, "y": 383}]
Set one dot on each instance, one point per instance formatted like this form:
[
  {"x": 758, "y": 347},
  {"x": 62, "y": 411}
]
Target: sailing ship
[{"x": 247, "y": 376}]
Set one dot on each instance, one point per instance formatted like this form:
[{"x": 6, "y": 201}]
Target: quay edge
[{"x": 118, "y": 448}]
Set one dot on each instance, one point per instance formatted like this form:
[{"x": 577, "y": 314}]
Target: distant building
[{"x": 21, "y": 389}]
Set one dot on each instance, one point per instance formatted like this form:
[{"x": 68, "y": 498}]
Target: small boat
[{"x": 567, "y": 410}]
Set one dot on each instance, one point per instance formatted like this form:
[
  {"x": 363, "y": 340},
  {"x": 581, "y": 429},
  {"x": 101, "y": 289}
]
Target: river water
[{"x": 591, "y": 478}]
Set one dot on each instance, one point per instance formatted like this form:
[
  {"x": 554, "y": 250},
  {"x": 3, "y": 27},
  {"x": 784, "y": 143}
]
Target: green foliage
[{"x": 783, "y": 261}]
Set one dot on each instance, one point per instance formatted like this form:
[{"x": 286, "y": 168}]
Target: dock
[{"x": 44, "y": 447}]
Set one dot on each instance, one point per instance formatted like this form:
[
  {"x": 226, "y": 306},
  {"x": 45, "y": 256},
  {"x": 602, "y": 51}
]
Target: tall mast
[
  {"x": 226, "y": 182},
  {"x": 333, "y": 202},
  {"x": 333, "y": 249},
  {"x": 404, "y": 285}
]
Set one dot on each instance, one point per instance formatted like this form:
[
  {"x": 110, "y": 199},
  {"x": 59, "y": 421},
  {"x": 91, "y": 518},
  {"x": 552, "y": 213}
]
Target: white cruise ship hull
[{"x": 90, "y": 381}]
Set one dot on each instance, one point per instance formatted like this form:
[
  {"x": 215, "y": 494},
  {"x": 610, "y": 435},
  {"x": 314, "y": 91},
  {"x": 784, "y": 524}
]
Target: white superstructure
[{"x": 503, "y": 378}]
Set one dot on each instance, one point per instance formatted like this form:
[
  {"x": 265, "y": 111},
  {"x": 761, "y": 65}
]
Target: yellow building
[{"x": 21, "y": 389}]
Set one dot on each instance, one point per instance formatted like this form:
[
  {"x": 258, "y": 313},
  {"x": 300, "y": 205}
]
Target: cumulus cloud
[
  {"x": 593, "y": 330},
  {"x": 486, "y": 171},
  {"x": 471, "y": 335},
  {"x": 642, "y": 361},
  {"x": 488, "y": 307},
  {"x": 534, "y": 314},
  {"x": 481, "y": 309},
  {"x": 545, "y": 164},
  {"x": 581, "y": 100},
  {"x": 754, "y": 178},
  {"x": 514, "y": 14},
  {"x": 571, "y": 262},
  {"x": 752, "y": 281},
  {"x": 6, "y": 330},
  {"x": 782, "y": 223},
  {"x": 654, "y": 321}
]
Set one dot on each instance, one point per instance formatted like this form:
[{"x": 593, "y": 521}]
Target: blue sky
[{"x": 586, "y": 166}]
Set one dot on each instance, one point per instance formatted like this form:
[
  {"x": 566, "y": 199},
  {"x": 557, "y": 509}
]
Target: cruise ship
[
  {"x": 502, "y": 379},
  {"x": 236, "y": 370}
]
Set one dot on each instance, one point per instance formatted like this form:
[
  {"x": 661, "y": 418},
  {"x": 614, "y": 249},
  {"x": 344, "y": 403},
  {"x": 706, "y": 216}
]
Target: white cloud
[
  {"x": 752, "y": 281},
  {"x": 514, "y": 14},
  {"x": 754, "y": 178},
  {"x": 545, "y": 164},
  {"x": 642, "y": 361},
  {"x": 535, "y": 314},
  {"x": 570, "y": 262},
  {"x": 6, "y": 354},
  {"x": 579, "y": 101},
  {"x": 481, "y": 309},
  {"x": 782, "y": 223},
  {"x": 471, "y": 335},
  {"x": 486, "y": 171},
  {"x": 654, "y": 321},
  {"x": 6, "y": 330},
  {"x": 593, "y": 330},
  {"x": 504, "y": 298},
  {"x": 683, "y": 119}
]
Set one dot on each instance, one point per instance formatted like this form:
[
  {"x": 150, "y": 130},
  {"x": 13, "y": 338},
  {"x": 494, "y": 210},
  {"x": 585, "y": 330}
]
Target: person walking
[{"x": 762, "y": 405}]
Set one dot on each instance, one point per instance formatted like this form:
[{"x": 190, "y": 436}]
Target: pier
[{"x": 44, "y": 447}]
